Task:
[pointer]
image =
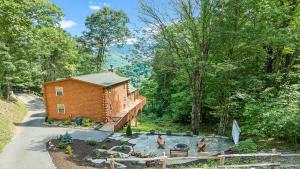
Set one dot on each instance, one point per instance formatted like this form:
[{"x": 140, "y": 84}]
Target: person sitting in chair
[
  {"x": 201, "y": 145},
  {"x": 160, "y": 142}
]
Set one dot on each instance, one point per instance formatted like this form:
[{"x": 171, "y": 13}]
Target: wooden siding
[{"x": 80, "y": 99}]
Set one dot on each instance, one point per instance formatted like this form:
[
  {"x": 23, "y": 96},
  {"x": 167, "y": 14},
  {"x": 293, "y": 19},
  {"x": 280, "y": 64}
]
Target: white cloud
[
  {"x": 131, "y": 41},
  {"x": 66, "y": 24},
  {"x": 105, "y": 4},
  {"x": 95, "y": 7}
]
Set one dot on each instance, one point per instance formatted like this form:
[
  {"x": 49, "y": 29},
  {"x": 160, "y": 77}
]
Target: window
[
  {"x": 130, "y": 97},
  {"x": 124, "y": 98},
  {"x": 110, "y": 108},
  {"x": 124, "y": 106},
  {"x": 59, "y": 91},
  {"x": 109, "y": 89},
  {"x": 61, "y": 108}
]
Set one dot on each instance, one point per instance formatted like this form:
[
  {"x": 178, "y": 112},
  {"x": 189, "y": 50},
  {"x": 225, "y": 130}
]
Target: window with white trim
[
  {"x": 59, "y": 91},
  {"x": 110, "y": 108},
  {"x": 61, "y": 108}
]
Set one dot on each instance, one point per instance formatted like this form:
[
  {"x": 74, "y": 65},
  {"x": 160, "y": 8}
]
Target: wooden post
[
  {"x": 222, "y": 159},
  {"x": 112, "y": 162},
  {"x": 273, "y": 157},
  {"x": 164, "y": 162},
  {"x": 136, "y": 121},
  {"x": 141, "y": 117}
]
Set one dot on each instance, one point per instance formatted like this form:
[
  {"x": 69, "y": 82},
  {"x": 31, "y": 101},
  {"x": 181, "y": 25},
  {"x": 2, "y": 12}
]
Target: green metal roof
[{"x": 104, "y": 79}]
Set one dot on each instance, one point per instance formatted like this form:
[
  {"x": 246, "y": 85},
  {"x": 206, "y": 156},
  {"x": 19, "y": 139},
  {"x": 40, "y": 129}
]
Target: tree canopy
[{"x": 105, "y": 27}]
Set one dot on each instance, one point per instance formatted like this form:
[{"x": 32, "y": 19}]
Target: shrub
[
  {"x": 87, "y": 122},
  {"x": 128, "y": 130},
  {"x": 103, "y": 146},
  {"x": 61, "y": 145},
  {"x": 67, "y": 122},
  {"x": 123, "y": 142},
  {"x": 49, "y": 120},
  {"x": 189, "y": 133},
  {"x": 97, "y": 154},
  {"x": 152, "y": 131},
  {"x": 69, "y": 150},
  {"x": 169, "y": 132},
  {"x": 246, "y": 146},
  {"x": 66, "y": 138},
  {"x": 91, "y": 142}
]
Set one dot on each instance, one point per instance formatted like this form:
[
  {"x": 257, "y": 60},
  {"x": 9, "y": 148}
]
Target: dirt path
[{"x": 27, "y": 150}]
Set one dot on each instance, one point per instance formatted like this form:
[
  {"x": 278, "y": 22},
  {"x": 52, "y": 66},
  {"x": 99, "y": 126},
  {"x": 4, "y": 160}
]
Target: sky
[{"x": 77, "y": 10}]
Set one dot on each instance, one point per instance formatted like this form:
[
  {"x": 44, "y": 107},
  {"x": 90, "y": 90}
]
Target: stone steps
[{"x": 108, "y": 126}]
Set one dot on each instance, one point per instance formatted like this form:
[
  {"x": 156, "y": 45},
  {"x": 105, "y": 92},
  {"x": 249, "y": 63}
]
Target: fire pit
[{"x": 179, "y": 149}]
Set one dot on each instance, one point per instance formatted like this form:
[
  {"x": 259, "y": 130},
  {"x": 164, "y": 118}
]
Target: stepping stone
[
  {"x": 133, "y": 141},
  {"x": 126, "y": 139},
  {"x": 98, "y": 161},
  {"x": 118, "y": 138}
]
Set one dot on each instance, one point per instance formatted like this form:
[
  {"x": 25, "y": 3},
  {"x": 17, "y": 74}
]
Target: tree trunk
[{"x": 197, "y": 102}]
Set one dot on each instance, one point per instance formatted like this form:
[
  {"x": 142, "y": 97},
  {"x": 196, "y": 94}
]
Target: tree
[
  {"x": 20, "y": 21},
  {"x": 6, "y": 69},
  {"x": 105, "y": 27},
  {"x": 187, "y": 37},
  {"x": 58, "y": 53}
]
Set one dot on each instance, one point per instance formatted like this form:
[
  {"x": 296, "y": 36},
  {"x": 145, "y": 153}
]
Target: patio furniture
[{"x": 180, "y": 149}]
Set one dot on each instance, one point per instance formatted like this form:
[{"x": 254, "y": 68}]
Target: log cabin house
[{"x": 104, "y": 97}]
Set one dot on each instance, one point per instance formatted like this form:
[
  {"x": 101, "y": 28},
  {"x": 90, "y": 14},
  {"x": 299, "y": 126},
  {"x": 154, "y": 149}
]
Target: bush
[
  {"x": 97, "y": 154},
  {"x": 67, "y": 122},
  {"x": 91, "y": 142},
  {"x": 49, "y": 120},
  {"x": 66, "y": 138},
  {"x": 152, "y": 131},
  {"x": 87, "y": 122},
  {"x": 69, "y": 150},
  {"x": 123, "y": 142},
  {"x": 103, "y": 146},
  {"x": 61, "y": 145},
  {"x": 128, "y": 130},
  {"x": 246, "y": 146},
  {"x": 189, "y": 133},
  {"x": 169, "y": 132}
]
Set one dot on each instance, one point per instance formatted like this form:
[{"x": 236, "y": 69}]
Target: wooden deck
[{"x": 131, "y": 112}]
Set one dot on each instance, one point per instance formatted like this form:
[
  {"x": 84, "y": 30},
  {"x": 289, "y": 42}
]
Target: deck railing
[
  {"x": 133, "y": 111},
  {"x": 164, "y": 159}
]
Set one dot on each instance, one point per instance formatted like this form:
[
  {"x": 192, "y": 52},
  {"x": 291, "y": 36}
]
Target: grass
[
  {"x": 162, "y": 125},
  {"x": 158, "y": 125},
  {"x": 10, "y": 113}
]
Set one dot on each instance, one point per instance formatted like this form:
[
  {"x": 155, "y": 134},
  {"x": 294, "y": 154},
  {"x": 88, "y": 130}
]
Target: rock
[{"x": 98, "y": 161}]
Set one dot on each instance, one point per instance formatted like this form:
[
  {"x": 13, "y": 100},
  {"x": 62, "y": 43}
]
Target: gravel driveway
[{"x": 27, "y": 150}]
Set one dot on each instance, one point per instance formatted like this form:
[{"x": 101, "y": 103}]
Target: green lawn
[
  {"x": 159, "y": 125},
  {"x": 10, "y": 113}
]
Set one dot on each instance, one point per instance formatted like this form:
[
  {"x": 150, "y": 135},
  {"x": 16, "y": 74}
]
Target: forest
[{"x": 208, "y": 62}]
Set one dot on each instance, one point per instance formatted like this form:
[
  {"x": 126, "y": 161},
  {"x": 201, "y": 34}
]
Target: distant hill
[{"x": 121, "y": 57}]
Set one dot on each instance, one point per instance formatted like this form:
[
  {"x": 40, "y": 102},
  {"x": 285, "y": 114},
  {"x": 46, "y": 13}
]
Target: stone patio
[{"x": 146, "y": 144}]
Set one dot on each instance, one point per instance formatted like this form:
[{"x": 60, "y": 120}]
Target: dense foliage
[
  {"x": 250, "y": 71},
  {"x": 34, "y": 49}
]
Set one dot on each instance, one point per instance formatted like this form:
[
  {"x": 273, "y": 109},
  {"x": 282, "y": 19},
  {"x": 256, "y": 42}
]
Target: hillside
[
  {"x": 119, "y": 56},
  {"x": 10, "y": 113}
]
